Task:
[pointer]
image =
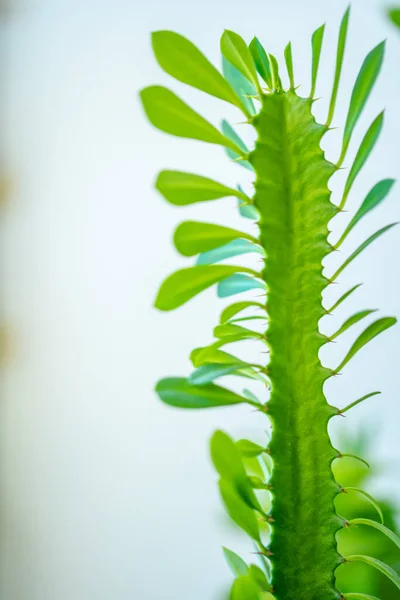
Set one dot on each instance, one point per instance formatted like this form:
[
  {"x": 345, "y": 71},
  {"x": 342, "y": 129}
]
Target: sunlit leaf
[
  {"x": 249, "y": 449},
  {"x": 237, "y": 284},
  {"x": 182, "y": 188},
  {"x": 365, "y": 81},
  {"x": 184, "y": 284},
  {"x": 373, "y": 330},
  {"x": 177, "y": 391},
  {"x": 237, "y": 564},
  {"x": 261, "y": 61},
  {"x": 316, "y": 44},
  {"x": 245, "y": 588},
  {"x": 193, "y": 237},
  {"x": 172, "y": 115},
  {"x": 235, "y": 50},
  {"x": 231, "y": 330},
  {"x": 377, "y": 194},
  {"x": 183, "y": 60}
]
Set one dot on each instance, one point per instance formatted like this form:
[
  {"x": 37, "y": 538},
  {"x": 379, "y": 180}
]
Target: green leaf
[
  {"x": 209, "y": 372},
  {"x": 394, "y": 15},
  {"x": 316, "y": 44},
  {"x": 358, "y": 596},
  {"x": 184, "y": 61},
  {"x": 259, "y": 577},
  {"x": 369, "y": 498},
  {"x": 244, "y": 588},
  {"x": 231, "y": 134},
  {"x": 176, "y": 391},
  {"x": 289, "y": 64},
  {"x": 276, "y": 80},
  {"x": 182, "y": 188},
  {"x": 365, "y": 149},
  {"x": 365, "y": 81},
  {"x": 343, "y": 298},
  {"x": 379, "y": 526},
  {"x": 373, "y": 199},
  {"x": 261, "y": 61},
  {"x": 339, "y": 63},
  {"x": 238, "y": 283},
  {"x": 257, "y": 483},
  {"x": 244, "y": 89},
  {"x": 249, "y": 449},
  {"x": 170, "y": 114},
  {"x": 355, "y": 403},
  {"x": 351, "y": 321},
  {"x": 373, "y": 330},
  {"x": 235, "y": 50},
  {"x": 233, "y": 309},
  {"x": 234, "y": 248},
  {"x": 250, "y": 396},
  {"x": 184, "y": 284},
  {"x": 377, "y": 564},
  {"x": 212, "y": 355},
  {"x": 193, "y": 237},
  {"x": 248, "y": 211},
  {"x": 237, "y": 564},
  {"x": 229, "y": 330},
  {"x": 363, "y": 246}
]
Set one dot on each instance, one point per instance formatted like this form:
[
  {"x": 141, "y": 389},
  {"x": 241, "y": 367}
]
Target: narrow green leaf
[
  {"x": 365, "y": 81},
  {"x": 176, "y": 391},
  {"x": 237, "y": 564},
  {"x": 377, "y": 194},
  {"x": 360, "y": 249},
  {"x": 394, "y": 15},
  {"x": 209, "y": 372},
  {"x": 343, "y": 298},
  {"x": 183, "y": 60},
  {"x": 233, "y": 309},
  {"x": 276, "y": 80},
  {"x": 193, "y": 237},
  {"x": 236, "y": 284},
  {"x": 261, "y": 61},
  {"x": 369, "y": 498},
  {"x": 184, "y": 284},
  {"x": 365, "y": 149},
  {"x": 373, "y": 330},
  {"x": 170, "y": 114},
  {"x": 231, "y": 134},
  {"x": 249, "y": 449},
  {"x": 351, "y": 321},
  {"x": 234, "y": 248},
  {"x": 377, "y": 564},
  {"x": 244, "y": 89},
  {"x": 355, "y": 403},
  {"x": 235, "y": 50},
  {"x": 245, "y": 588},
  {"x": 380, "y": 527},
  {"x": 358, "y": 596},
  {"x": 181, "y": 188},
  {"x": 229, "y": 330},
  {"x": 212, "y": 355},
  {"x": 316, "y": 44},
  {"x": 289, "y": 64},
  {"x": 339, "y": 63}
]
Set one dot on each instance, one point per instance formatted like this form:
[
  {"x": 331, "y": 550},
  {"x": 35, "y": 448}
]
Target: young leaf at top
[
  {"x": 234, "y": 248},
  {"x": 237, "y": 564},
  {"x": 235, "y": 50},
  {"x": 289, "y": 64},
  {"x": 377, "y": 564},
  {"x": 339, "y": 63},
  {"x": 365, "y": 81},
  {"x": 261, "y": 61},
  {"x": 172, "y": 115},
  {"x": 276, "y": 80},
  {"x": 231, "y": 134},
  {"x": 245, "y": 588},
  {"x": 316, "y": 44},
  {"x": 193, "y": 237},
  {"x": 373, "y": 330},
  {"x": 238, "y": 283},
  {"x": 373, "y": 199},
  {"x": 177, "y": 391},
  {"x": 184, "y": 61},
  {"x": 184, "y": 284},
  {"x": 182, "y": 188},
  {"x": 362, "y": 155}
]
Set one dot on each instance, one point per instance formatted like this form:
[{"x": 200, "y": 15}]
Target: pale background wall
[{"x": 105, "y": 493}]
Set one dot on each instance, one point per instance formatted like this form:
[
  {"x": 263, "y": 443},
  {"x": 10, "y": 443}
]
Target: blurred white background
[{"x": 106, "y": 493}]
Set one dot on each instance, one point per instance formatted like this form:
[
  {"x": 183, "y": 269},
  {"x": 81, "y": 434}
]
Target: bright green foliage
[{"x": 281, "y": 495}]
